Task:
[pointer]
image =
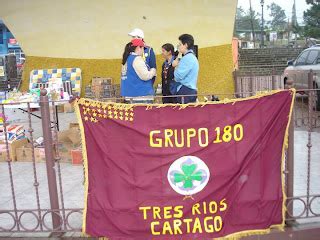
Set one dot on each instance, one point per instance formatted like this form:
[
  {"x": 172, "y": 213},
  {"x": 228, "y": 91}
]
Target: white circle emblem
[{"x": 188, "y": 175}]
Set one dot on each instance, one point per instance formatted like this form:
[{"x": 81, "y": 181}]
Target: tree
[
  {"x": 312, "y": 20},
  {"x": 279, "y": 18},
  {"x": 243, "y": 21},
  {"x": 312, "y": 1}
]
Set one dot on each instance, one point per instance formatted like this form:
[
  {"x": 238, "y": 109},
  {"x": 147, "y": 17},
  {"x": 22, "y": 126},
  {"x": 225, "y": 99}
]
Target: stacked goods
[
  {"x": 68, "y": 140},
  {"x": 76, "y": 156},
  {"x": 2, "y": 119},
  {"x": 101, "y": 86},
  {"x": 24, "y": 154},
  {"x": 68, "y": 148},
  {"x": 116, "y": 88},
  {"x": 12, "y": 148},
  {"x": 68, "y": 107},
  {"x": 98, "y": 81},
  {"x": 3, "y": 152},
  {"x": 88, "y": 92},
  {"x": 15, "y": 132},
  {"x": 39, "y": 154}
]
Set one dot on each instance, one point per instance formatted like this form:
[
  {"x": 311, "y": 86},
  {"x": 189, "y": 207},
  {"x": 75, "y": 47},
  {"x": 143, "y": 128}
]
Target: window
[
  {"x": 302, "y": 58},
  {"x": 313, "y": 55}
]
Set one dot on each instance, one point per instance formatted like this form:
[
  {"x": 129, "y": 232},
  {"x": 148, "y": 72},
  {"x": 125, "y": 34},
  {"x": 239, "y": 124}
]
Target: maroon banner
[{"x": 185, "y": 171}]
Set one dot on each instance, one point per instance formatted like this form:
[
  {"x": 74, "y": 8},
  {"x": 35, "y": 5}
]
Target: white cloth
[{"x": 141, "y": 69}]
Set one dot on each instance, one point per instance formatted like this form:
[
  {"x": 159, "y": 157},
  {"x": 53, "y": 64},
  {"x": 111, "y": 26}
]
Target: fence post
[
  {"x": 309, "y": 145},
  {"x": 310, "y": 80},
  {"x": 50, "y": 164},
  {"x": 236, "y": 88},
  {"x": 290, "y": 171},
  {"x": 251, "y": 85},
  {"x": 273, "y": 83}
]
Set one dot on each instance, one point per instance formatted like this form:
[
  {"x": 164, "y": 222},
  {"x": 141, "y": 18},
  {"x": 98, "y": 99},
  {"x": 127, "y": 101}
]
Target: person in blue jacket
[
  {"x": 136, "y": 83},
  {"x": 186, "y": 71},
  {"x": 148, "y": 53}
]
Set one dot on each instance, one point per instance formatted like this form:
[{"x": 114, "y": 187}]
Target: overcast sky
[{"x": 301, "y": 6}]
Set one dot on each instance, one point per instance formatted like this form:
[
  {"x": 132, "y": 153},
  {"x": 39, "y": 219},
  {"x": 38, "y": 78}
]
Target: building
[{"x": 8, "y": 43}]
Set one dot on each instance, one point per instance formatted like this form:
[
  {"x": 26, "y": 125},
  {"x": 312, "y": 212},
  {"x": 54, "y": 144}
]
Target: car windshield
[
  {"x": 313, "y": 55},
  {"x": 302, "y": 58}
]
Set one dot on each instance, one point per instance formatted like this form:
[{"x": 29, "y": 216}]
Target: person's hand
[
  {"x": 154, "y": 71},
  {"x": 175, "y": 62}
]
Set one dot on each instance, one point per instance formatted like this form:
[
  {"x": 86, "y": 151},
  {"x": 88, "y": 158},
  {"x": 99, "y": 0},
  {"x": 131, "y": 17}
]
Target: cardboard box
[
  {"x": 16, "y": 144},
  {"x": 39, "y": 155},
  {"x": 98, "y": 86},
  {"x": 64, "y": 150},
  {"x": 68, "y": 108},
  {"x": 99, "y": 80},
  {"x": 12, "y": 148},
  {"x": 71, "y": 135},
  {"x": 3, "y": 156},
  {"x": 24, "y": 153},
  {"x": 67, "y": 141},
  {"x": 76, "y": 155},
  {"x": 3, "y": 153},
  {"x": 74, "y": 125},
  {"x": 60, "y": 108},
  {"x": 97, "y": 91}
]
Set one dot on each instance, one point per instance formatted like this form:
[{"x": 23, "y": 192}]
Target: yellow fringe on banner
[
  {"x": 233, "y": 236},
  {"x": 85, "y": 164}
]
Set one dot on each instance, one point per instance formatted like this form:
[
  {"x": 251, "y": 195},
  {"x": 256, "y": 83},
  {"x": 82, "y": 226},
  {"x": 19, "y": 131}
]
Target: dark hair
[
  {"x": 168, "y": 47},
  {"x": 187, "y": 39},
  {"x": 127, "y": 50}
]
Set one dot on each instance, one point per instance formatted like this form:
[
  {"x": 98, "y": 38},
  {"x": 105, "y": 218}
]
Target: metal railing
[
  {"x": 250, "y": 84},
  {"x": 41, "y": 216},
  {"x": 56, "y": 218}
]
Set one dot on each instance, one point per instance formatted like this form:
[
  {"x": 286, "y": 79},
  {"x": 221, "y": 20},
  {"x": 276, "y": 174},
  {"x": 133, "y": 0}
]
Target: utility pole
[
  {"x": 252, "y": 27},
  {"x": 262, "y": 24},
  {"x": 294, "y": 21}
]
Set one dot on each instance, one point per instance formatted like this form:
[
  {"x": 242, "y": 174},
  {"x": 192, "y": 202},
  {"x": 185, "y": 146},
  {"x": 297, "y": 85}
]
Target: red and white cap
[
  {"x": 137, "y": 32},
  {"x": 137, "y": 42}
]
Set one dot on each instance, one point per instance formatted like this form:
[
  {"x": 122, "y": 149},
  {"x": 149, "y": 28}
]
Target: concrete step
[{"x": 265, "y": 61}]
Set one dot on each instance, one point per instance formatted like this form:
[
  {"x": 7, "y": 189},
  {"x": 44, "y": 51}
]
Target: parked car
[{"x": 297, "y": 71}]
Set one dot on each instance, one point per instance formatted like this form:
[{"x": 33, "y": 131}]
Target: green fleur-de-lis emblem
[{"x": 188, "y": 175}]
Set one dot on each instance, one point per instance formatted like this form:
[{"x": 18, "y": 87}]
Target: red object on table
[{"x": 76, "y": 156}]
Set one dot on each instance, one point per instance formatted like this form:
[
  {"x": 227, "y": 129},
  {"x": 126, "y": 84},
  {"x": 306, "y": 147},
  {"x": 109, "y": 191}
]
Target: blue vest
[
  {"x": 147, "y": 57},
  {"x": 131, "y": 84}
]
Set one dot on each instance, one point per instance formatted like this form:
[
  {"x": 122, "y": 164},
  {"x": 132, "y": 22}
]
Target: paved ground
[{"x": 72, "y": 178}]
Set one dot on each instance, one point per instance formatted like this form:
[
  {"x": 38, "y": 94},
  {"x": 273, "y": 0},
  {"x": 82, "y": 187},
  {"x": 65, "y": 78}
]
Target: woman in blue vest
[
  {"x": 148, "y": 55},
  {"x": 136, "y": 79}
]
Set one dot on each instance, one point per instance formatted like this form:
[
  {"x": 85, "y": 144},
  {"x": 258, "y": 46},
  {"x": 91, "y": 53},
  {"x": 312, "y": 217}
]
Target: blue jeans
[{"x": 187, "y": 91}]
